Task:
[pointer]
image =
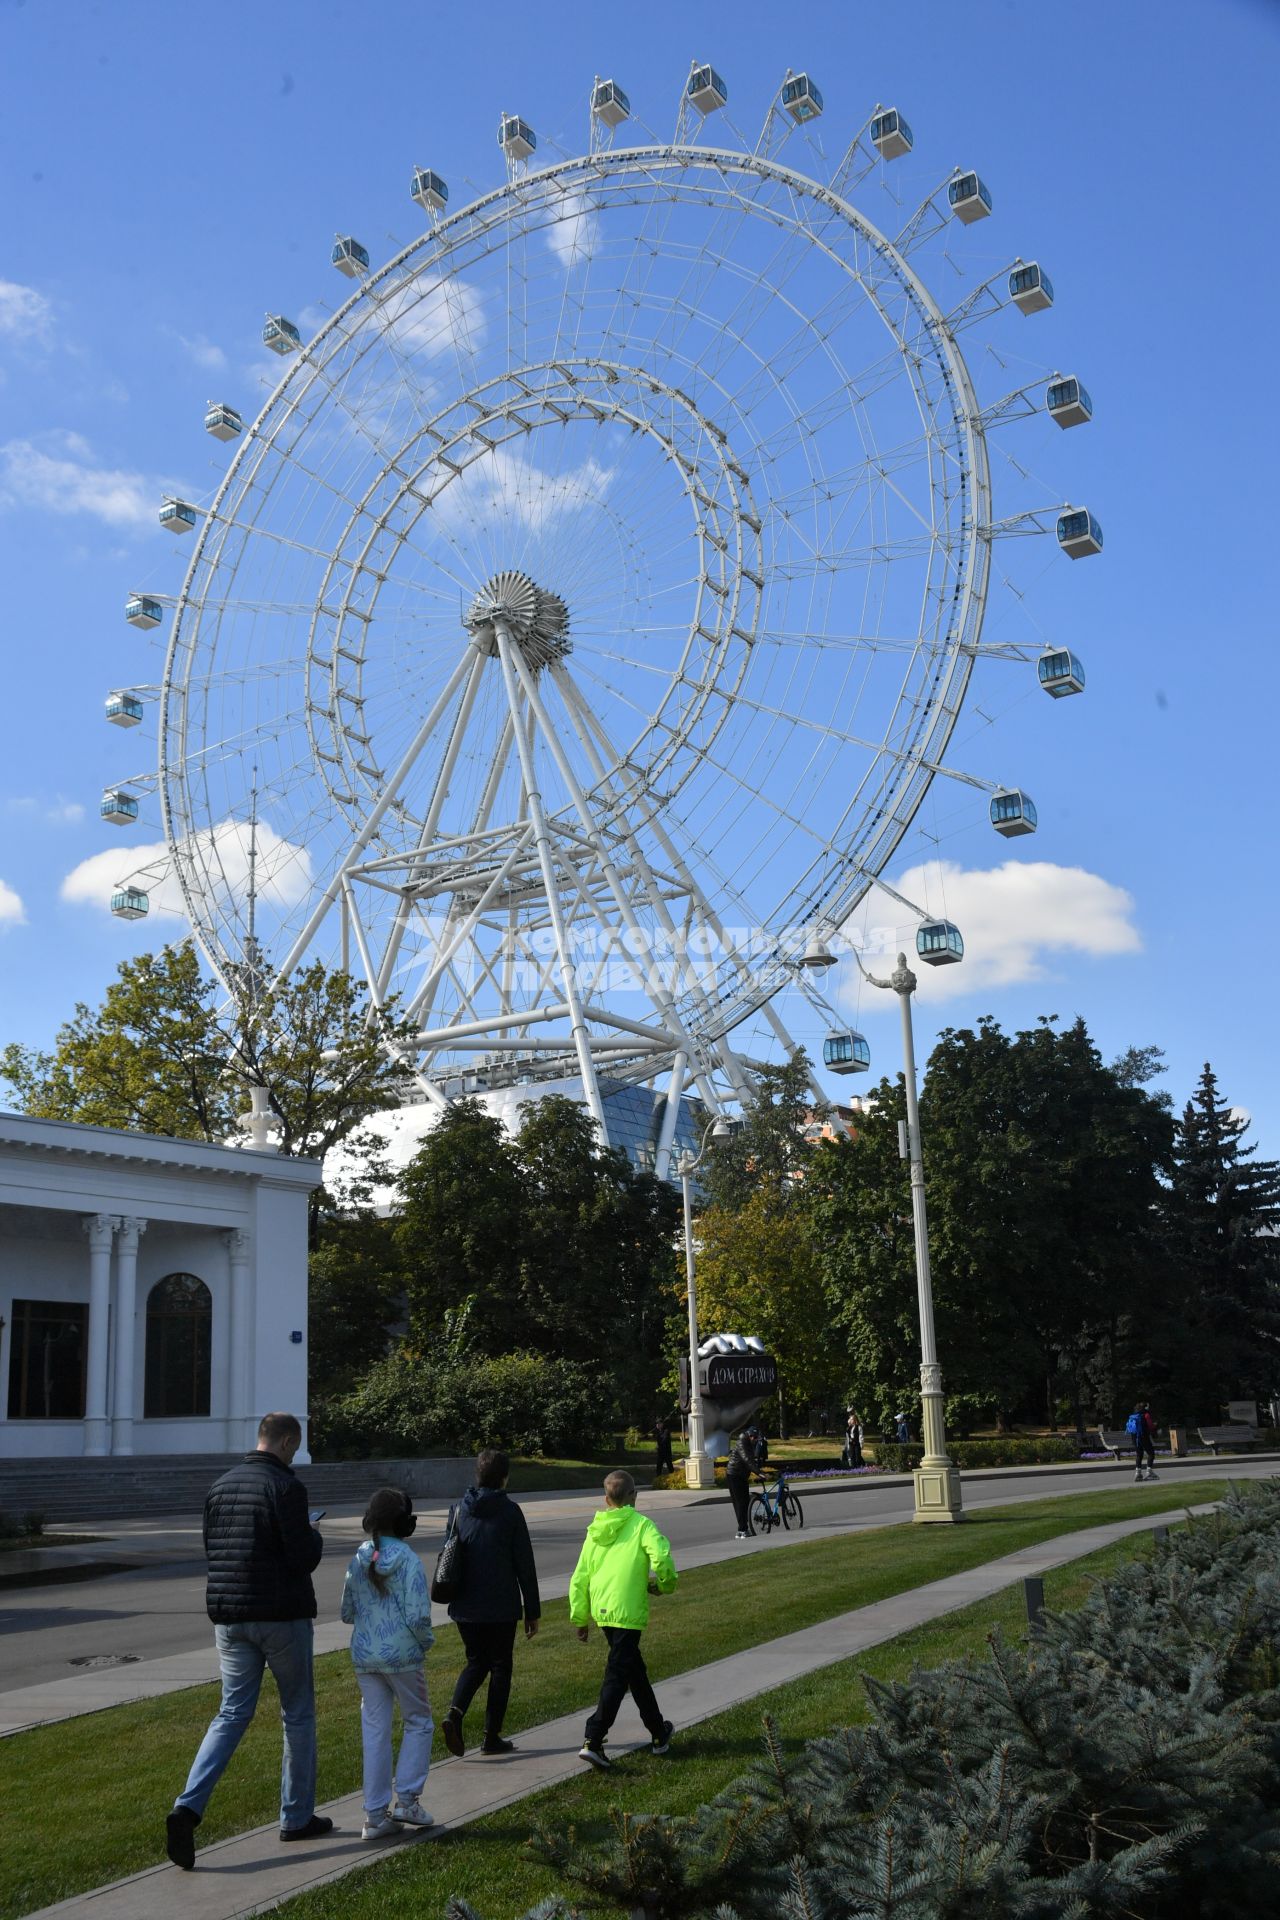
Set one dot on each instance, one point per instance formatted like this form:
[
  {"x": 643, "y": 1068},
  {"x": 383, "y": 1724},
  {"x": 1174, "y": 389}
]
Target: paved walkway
[
  {"x": 135, "y": 1615},
  {"x": 253, "y": 1872}
]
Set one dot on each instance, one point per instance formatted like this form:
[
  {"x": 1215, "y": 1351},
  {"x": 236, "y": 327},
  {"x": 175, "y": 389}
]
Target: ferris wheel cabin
[
  {"x": 281, "y": 335},
  {"x": 1061, "y": 673},
  {"x": 349, "y": 257},
  {"x": 224, "y": 423},
  {"x": 1068, "y": 403},
  {"x": 939, "y": 944},
  {"x": 707, "y": 90},
  {"x": 119, "y": 807},
  {"x": 429, "y": 190},
  {"x": 1079, "y": 534},
  {"x": 140, "y": 611},
  {"x": 516, "y": 137},
  {"x": 177, "y": 516},
  {"x": 130, "y": 903},
  {"x": 609, "y": 103},
  {"x": 801, "y": 98},
  {"x": 1030, "y": 288},
  {"x": 890, "y": 135},
  {"x": 846, "y": 1053},
  {"x": 124, "y": 709},
  {"x": 970, "y": 199},
  {"x": 1013, "y": 813}
]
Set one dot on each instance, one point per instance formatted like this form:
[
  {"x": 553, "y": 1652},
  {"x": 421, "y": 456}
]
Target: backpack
[{"x": 1133, "y": 1425}]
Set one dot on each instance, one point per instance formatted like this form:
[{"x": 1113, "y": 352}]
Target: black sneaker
[
  {"x": 662, "y": 1739},
  {"x": 592, "y": 1751},
  {"x": 317, "y": 1826},
  {"x": 452, "y": 1731},
  {"x": 493, "y": 1744},
  {"x": 180, "y": 1843}
]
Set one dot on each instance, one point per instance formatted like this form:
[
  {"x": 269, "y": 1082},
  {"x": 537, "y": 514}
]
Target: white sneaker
[
  {"x": 1139, "y": 1475},
  {"x": 1152, "y": 1474},
  {"x": 739, "y": 1536},
  {"x": 379, "y": 1826},
  {"x": 414, "y": 1814}
]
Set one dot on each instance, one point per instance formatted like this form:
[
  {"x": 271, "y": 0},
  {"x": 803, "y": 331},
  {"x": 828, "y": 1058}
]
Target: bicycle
[{"x": 765, "y": 1513}]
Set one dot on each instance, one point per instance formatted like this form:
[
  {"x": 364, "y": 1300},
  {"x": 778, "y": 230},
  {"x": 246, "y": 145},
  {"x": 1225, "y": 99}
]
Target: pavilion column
[
  {"x": 100, "y": 1230},
  {"x": 240, "y": 1343},
  {"x": 129, "y": 1232}
]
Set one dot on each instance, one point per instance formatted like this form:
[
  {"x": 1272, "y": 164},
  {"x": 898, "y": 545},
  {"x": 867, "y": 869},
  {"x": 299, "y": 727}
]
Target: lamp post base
[
  {"x": 937, "y": 1488},
  {"x": 699, "y": 1470}
]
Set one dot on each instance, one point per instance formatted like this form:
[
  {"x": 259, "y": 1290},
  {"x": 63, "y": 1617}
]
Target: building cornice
[{"x": 68, "y": 1139}]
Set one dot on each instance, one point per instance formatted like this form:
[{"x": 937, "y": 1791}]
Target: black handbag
[{"x": 447, "y": 1577}]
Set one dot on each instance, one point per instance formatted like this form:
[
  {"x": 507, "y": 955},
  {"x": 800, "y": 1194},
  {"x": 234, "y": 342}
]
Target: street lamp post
[
  {"x": 698, "y": 1470},
  {"x": 937, "y": 1483}
]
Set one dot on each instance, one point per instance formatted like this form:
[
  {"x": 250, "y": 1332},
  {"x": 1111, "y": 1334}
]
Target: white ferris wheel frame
[{"x": 581, "y": 852}]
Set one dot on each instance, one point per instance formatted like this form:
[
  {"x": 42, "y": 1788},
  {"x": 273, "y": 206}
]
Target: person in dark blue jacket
[
  {"x": 499, "y": 1584},
  {"x": 262, "y": 1550}
]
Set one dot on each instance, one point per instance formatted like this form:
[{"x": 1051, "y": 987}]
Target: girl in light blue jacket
[{"x": 386, "y": 1601}]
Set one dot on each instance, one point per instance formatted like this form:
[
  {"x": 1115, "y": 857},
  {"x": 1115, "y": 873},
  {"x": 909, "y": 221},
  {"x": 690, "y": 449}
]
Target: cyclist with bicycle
[{"x": 748, "y": 1456}]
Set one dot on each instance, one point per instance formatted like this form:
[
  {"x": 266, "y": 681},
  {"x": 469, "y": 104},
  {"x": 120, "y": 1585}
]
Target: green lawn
[
  {"x": 485, "y": 1864},
  {"x": 127, "y": 1763}
]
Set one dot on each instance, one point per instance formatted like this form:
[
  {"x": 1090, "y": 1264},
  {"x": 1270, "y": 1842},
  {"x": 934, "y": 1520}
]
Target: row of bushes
[
  {"x": 1124, "y": 1761},
  {"x": 407, "y": 1406}
]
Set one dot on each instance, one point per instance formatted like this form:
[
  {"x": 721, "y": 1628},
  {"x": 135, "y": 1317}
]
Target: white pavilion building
[{"x": 153, "y": 1292}]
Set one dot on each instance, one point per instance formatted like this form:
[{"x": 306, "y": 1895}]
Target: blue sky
[{"x": 167, "y": 178}]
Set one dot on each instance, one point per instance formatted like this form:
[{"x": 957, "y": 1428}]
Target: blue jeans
[{"x": 245, "y": 1650}]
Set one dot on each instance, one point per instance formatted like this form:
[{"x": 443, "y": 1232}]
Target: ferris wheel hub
[{"x": 536, "y": 620}]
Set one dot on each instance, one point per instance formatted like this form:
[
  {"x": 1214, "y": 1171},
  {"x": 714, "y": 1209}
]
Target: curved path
[
  {"x": 155, "y": 1616},
  {"x": 252, "y": 1872}
]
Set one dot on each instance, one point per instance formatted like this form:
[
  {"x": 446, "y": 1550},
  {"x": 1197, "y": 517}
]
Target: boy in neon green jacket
[{"x": 624, "y": 1558}]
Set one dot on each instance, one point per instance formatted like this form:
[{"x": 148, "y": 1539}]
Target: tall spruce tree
[{"x": 1221, "y": 1339}]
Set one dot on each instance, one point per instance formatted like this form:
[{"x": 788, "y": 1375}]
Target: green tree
[
  {"x": 595, "y": 1250},
  {"x": 1043, "y": 1186},
  {"x": 168, "y": 1053},
  {"x": 769, "y": 1150},
  {"x": 152, "y": 1059},
  {"x": 1044, "y": 1183},
  {"x": 326, "y": 1059},
  {"x": 1221, "y": 1336},
  {"x": 459, "y": 1229},
  {"x": 356, "y": 1279},
  {"x": 759, "y": 1273},
  {"x": 858, "y": 1198}
]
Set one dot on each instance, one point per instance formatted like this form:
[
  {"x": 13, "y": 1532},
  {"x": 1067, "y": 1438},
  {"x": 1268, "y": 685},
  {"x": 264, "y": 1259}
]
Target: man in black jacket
[
  {"x": 262, "y": 1550},
  {"x": 499, "y": 1582}
]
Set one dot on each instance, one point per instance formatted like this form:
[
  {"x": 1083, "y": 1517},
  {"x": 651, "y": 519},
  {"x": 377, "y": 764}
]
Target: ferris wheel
[{"x": 580, "y": 625}]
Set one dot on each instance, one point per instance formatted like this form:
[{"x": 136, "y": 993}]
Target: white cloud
[
  {"x": 1016, "y": 919},
  {"x": 24, "y": 314},
  {"x": 59, "y": 812},
  {"x": 510, "y": 483},
  {"x": 61, "y": 477},
  {"x": 572, "y": 236},
  {"x": 283, "y": 870},
  {"x": 432, "y": 317},
  {"x": 204, "y": 353},
  {"x": 12, "y": 911}
]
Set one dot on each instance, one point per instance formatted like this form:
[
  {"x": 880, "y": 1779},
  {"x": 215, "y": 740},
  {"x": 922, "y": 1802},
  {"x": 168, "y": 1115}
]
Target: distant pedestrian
[
  {"x": 903, "y": 1433},
  {"x": 624, "y": 1558},
  {"x": 853, "y": 1439},
  {"x": 744, "y": 1460},
  {"x": 499, "y": 1585},
  {"x": 385, "y": 1600},
  {"x": 261, "y": 1549},
  {"x": 665, "y": 1462},
  {"x": 1141, "y": 1428}
]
